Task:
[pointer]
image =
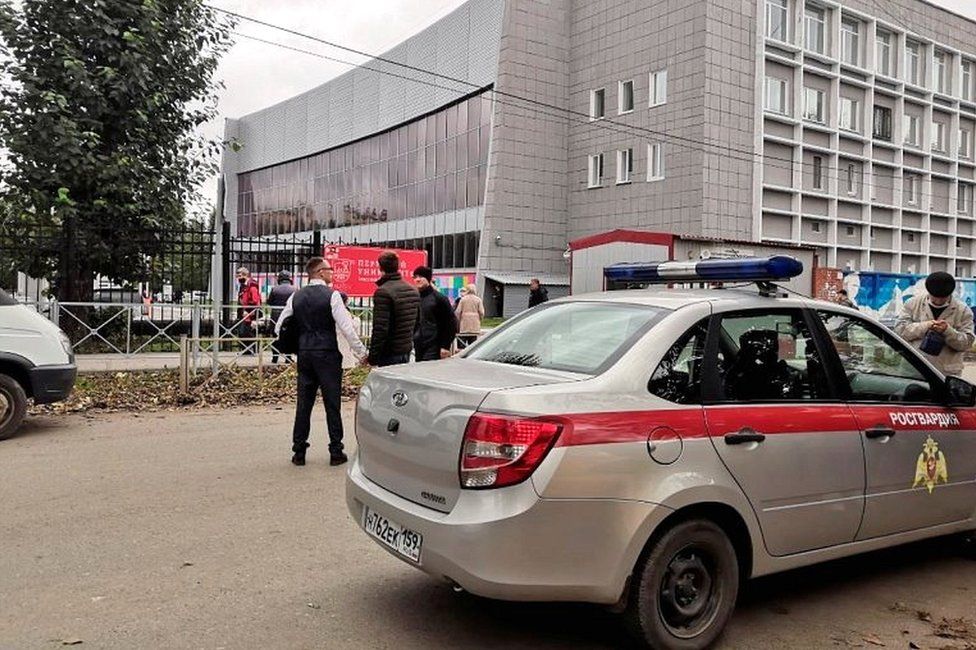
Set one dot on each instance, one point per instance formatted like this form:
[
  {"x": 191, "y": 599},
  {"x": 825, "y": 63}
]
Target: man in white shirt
[{"x": 319, "y": 313}]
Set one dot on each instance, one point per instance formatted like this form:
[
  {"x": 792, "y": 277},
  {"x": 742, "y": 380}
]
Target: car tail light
[{"x": 500, "y": 450}]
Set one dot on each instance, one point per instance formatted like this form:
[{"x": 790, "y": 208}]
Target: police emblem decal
[
  {"x": 400, "y": 399},
  {"x": 931, "y": 466}
]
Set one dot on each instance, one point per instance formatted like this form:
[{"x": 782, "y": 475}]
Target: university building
[{"x": 510, "y": 129}]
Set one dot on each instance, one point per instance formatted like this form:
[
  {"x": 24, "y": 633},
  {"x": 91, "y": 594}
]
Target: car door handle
[
  {"x": 879, "y": 432},
  {"x": 743, "y": 436}
]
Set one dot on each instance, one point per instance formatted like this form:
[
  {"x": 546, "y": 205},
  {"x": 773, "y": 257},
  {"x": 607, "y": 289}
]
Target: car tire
[
  {"x": 684, "y": 587},
  {"x": 13, "y": 405}
]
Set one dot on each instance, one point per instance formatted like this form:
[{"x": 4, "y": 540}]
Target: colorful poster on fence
[
  {"x": 882, "y": 294},
  {"x": 356, "y": 269}
]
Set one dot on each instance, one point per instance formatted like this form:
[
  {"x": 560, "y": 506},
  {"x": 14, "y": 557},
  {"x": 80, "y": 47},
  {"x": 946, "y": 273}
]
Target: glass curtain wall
[{"x": 430, "y": 165}]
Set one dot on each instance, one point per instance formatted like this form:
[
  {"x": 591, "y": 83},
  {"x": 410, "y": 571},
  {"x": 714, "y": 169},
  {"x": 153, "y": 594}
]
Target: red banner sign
[{"x": 356, "y": 269}]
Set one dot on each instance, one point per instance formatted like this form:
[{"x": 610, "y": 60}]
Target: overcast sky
[{"x": 257, "y": 75}]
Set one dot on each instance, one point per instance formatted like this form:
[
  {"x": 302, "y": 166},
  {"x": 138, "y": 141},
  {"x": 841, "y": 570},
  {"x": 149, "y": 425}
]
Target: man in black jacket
[
  {"x": 437, "y": 326},
  {"x": 319, "y": 313},
  {"x": 537, "y": 293},
  {"x": 277, "y": 300},
  {"x": 395, "y": 307}
]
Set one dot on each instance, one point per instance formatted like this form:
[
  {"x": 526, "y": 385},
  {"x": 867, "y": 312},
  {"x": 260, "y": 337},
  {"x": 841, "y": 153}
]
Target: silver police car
[{"x": 650, "y": 449}]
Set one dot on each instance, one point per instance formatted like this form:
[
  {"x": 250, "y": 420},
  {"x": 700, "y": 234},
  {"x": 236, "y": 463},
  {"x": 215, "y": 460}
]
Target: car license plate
[{"x": 402, "y": 540}]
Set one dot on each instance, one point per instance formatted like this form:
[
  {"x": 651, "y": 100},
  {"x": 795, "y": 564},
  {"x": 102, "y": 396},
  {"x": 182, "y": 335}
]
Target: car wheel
[
  {"x": 684, "y": 588},
  {"x": 13, "y": 406}
]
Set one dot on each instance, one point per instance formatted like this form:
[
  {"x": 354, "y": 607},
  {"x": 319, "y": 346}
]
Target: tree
[{"x": 100, "y": 104}]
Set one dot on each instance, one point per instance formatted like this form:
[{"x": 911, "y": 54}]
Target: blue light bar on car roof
[{"x": 743, "y": 269}]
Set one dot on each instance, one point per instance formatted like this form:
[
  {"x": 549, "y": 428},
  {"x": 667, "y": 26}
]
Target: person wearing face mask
[{"x": 938, "y": 324}]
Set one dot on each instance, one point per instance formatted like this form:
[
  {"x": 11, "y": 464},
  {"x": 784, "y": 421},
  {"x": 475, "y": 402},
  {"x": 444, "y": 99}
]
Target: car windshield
[{"x": 581, "y": 337}]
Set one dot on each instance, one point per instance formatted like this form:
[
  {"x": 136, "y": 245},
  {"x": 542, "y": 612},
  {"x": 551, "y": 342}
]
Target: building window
[
  {"x": 871, "y": 233},
  {"x": 911, "y": 238},
  {"x": 849, "y": 109},
  {"x": 625, "y": 97},
  {"x": 965, "y": 143},
  {"x": 939, "y": 136},
  {"x": 813, "y": 20},
  {"x": 852, "y": 179},
  {"x": 966, "y": 80},
  {"x": 816, "y": 226},
  {"x": 776, "y": 19},
  {"x": 911, "y": 188},
  {"x": 775, "y": 92},
  {"x": 882, "y": 123},
  {"x": 813, "y": 105},
  {"x": 850, "y": 41},
  {"x": 598, "y": 103},
  {"x": 911, "y": 134},
  {"x": 913, "y": 62},
  {"x": 818, "y": 172},
  {"x": 850, "y": 231},
  {"x": 964, "y": 201},
  {"x": 595, "y": 174},
  {"x": 883, "y": 53},
  {"x": 655, "y": 162},
  {"x": 659, "y": 88},
  {"x": 625, "y": 165},
  {"x": 941, "y": 72}
]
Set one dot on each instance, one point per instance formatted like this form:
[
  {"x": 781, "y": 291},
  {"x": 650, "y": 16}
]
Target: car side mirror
[{"x": 960, "y": 392}]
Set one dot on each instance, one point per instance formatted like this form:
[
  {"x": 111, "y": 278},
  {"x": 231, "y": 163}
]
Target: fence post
[
  {"x": 260, "y": 357},
  {"x": 56, "y": 312},
  {"x": 128, "y": 330},
  {"x": 215, "y": 346},
  {"x": 184, "y": 365},
  {"x": 195, "y": 333}
]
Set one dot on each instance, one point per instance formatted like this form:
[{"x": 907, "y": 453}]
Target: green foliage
[{"x": 99, "y": 113}]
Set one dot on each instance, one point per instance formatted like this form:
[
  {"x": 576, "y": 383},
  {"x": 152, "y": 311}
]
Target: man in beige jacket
[{"x": 938, "y": 324}]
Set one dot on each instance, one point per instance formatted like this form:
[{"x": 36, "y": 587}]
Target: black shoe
[
  {"x": 298, "y": 458},
  {"x": 338, "y": 459}
]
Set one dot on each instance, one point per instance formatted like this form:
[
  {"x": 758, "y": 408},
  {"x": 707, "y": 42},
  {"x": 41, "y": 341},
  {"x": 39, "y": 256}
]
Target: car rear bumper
[
  {"x": 510, "y": 544},
  {"x": 52, "y": 383}
]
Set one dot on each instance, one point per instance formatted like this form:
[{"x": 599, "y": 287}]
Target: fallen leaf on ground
[{"x": 873, "y": 640}]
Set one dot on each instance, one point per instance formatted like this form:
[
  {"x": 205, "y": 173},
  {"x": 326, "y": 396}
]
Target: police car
[{"x": 650, "y": 449}]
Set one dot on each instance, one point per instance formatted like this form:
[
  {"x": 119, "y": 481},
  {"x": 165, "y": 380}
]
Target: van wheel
[
  {"x": 684, "y": 588},
  {"x": 13, "y": 406}
]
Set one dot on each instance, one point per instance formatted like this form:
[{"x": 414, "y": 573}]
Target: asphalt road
[{"x": 192, "y": 530}]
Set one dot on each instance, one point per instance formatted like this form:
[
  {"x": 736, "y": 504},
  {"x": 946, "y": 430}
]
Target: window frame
[
  {"x": 782, "y": 7},
  {"x": 913, "y": 63},
  {"x": 966, "y": 80},
  {"x": 911, "y": 197},
  {"x": 657, "y": 96},
  {"x": 620, "y": 97},
  {"x": 855, "y": 107},
  {"x": 593, "y": 95},
  {"x": 964, "y": 199},
  {"x": 854, "y": 37},
  {"x": 810, "y": 17},
  {"x": 916, "y": 140},
  {"x": 625, "y": 162},
  {"x": 886, "y": 123},
  {"x": 655, "y": 162},
  {"x": 939, "y": 139},
  {"x": 883, "y": 41},
  {"x": 820, "y": 115},
  {"x": 817, "y": 165},
  {"x": 700, "y": 327},
  {"x": 838, "y": 375},
  {"x": 784, "y": 84},
  {"x": 940, "y": 72},
  {"x": 965, "y": 146},
  {"x": 600, "y": 168},
  {"x": 711, "y": 384},
  {"x": 852, "y": 180}
]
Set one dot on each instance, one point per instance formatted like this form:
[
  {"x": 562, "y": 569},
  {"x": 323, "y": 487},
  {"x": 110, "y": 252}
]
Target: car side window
[
  {"x": 877, "y": 368},
  {"x": 769, "y": 357},
  {"x": 678, "y": 378}
]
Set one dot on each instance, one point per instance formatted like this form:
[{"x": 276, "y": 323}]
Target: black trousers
[
  {"x": 392, "y": 360},
  {"x": 319, "y": 371}
]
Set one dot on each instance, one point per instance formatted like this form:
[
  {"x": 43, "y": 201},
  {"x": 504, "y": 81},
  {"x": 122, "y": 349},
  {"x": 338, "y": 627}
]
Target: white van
[{"x": 36, "y": 362}]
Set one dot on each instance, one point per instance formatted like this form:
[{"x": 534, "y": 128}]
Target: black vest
[{"x": 313, "y": 314}]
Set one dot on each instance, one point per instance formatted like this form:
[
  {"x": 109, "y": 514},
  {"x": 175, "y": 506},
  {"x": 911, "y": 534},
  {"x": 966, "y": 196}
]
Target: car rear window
[
  {"x": 584, "y": 337},
  {"x": 6, "y": 300}
]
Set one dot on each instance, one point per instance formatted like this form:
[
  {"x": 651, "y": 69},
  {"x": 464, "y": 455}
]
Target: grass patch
[{"x": 490, "y": 323}]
